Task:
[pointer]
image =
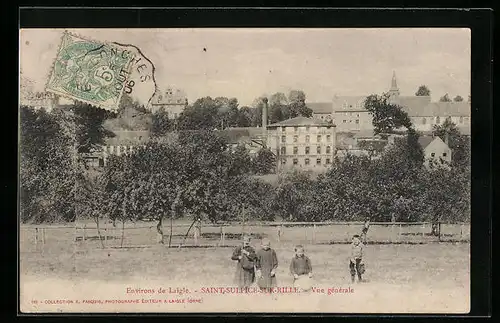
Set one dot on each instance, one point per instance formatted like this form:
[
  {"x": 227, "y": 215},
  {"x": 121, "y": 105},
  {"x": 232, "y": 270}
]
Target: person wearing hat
[
  {"x": 266, "y": 265},
  {"x": 245, "y": 257}
]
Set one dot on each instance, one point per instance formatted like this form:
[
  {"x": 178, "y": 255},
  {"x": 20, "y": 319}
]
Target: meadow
[{"x": 401, "y": 277}]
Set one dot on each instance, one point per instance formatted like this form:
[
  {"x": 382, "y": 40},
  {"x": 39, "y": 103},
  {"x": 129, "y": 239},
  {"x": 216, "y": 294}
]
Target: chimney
[{"x": 264, "y": 115}]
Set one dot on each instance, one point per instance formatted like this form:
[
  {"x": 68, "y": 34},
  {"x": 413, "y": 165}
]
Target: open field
[{"x": 400, "y": 278}]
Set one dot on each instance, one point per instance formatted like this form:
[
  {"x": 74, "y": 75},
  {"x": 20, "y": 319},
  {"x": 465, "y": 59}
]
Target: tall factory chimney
[
  {"x": 264, "y": 115},
  {"x": 264, "y": 122}
]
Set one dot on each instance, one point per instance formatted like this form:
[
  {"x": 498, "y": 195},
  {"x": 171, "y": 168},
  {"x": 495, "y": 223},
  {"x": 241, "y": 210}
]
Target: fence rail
[{"x": 81, "y": 236}]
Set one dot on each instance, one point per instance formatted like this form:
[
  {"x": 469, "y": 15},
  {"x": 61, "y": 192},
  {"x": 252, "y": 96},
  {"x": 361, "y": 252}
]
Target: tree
[
  {"x": 245, "y": 117},
  {"x": 423, "y": 90},
  {"x": 264, "y": 162},
  {"x": 297, "y": 105},
  {"x": 373, "y": 147},
  {"x": 387, "y": 117},
  {"x": 202, "y": 115},
  {"x": 160, "y": 123},
  {"x": 293, "y": 195},
  {"x": 49, "y": 167},
  {"x": 458, "y": 143},
  {"x": 90, "y": 129},
  {"x": 458, "y": 98},
  {"x": 445, "y": 98},
  {"x": 240, "y": 161}
]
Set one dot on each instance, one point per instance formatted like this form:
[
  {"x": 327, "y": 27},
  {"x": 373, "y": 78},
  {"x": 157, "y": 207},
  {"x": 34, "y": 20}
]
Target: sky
[{"x": 248, "y": 63}]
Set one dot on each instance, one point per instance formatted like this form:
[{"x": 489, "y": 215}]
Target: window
[
  {"x": 318, "y": 138},
  {"x": 295, "y": 138},
  {"x": 318, "y": 161},
  {"x": 307, "y": 150},
  {"x": 283, "y": 139},
  {"x": 444, "y": 154},
  {"x": 344, "y": 121},
  {"x": 307, "y": 138},
  {"x": 283, "y": 161},
  {"x": 433, "y": 155},
  {"x": 344, "y": 105},
  {"x": 328, "y": 138},
  {"x": 295, "y": 161},
  {"x": 438, "y": 120},
  {"x": 327, "y": 149},
  {"x": 424, "y": 120},
  {"x": 295, "y": 129},
  {"x": 307, "y": 128},
  {"x": 322, "y": 117},
  {"x": 307, "y": 161},
  {"x": 357, "y": 115},
  {"x": 328, "y": 160},
  {"x": 282, "y": 129},
  {"x": 357, "y": 121},
  {"x": 318, "y": 150},
  {"x": 295, "y": 150},
  {"x": 283, "y": 150},
  {"x": 461, "y": 120}
]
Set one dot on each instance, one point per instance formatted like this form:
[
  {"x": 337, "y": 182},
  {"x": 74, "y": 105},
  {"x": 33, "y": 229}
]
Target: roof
[
  {"x": 424, "y": 141},
  {"x": 127, "y": 137},
  {"x": 442, "y": 109},
  {"x": 236, "y": 135},
  {"x": 321, "y": 107},
  {"x": 301, "y": 121},
  {"x": 349, "y": 103},
  {"x": 413, "y": 104}
]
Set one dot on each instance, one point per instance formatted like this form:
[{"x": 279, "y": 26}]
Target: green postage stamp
[{"x": 90, "y": 71}]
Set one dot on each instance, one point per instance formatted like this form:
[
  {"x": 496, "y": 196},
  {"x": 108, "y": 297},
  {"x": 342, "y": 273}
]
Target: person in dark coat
[
  {"x": 266, "y": 265},
  {"x": 245, "y": 266}
]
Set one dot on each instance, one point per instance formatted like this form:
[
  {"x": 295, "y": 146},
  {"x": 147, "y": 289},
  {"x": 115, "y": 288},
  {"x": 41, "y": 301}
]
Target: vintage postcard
[{"x": 245, "y": 170}]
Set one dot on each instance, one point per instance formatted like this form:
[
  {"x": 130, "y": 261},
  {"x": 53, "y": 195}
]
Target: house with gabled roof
[{"x": 435, "y": 150}]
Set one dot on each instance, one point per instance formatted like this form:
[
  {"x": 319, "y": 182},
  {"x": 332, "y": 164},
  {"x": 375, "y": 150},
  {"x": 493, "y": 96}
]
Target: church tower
[{"x": 393, "y": 91}]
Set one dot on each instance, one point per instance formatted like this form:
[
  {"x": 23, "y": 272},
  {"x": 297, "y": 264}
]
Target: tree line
[{"x": 198, "y": 173}]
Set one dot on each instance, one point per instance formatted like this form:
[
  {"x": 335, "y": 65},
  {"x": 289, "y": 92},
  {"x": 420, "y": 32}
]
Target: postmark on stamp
[{"x": 90, "y": 71}]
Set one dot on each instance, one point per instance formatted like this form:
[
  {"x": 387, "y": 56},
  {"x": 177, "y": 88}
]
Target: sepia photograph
[{"x": 245, "y": 170}]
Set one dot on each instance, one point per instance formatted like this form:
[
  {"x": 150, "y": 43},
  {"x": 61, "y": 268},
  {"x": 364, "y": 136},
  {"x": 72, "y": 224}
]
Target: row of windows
[
  {"x": 434, "y": 155},
  {"x": 350, "y": 121},
  {"x": 359, "y": 105},
  {"x": 296, "y": 129},
  {"x": 438, "y": 120},
  {"x": 348, "y": 114},
  {"x": 308, "y": 138},
  {"x": 307, "y": 161},
  {"x": 307, "y": 150}
]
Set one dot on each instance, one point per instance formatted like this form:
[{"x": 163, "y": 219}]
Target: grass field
[{"x": 400, "y": 278}]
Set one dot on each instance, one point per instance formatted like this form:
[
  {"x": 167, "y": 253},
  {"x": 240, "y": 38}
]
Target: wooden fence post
[
  {"x": 106, "y": 231},
  {"x": 36, "y": 238},
  {"x": 314, "y": 234},
  {"x": 43, "y": 239},
  {"x": 84, "y": 232}
]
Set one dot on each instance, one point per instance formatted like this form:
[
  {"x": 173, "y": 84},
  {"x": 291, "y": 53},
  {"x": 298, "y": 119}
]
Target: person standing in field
[
  {"x": 364, "y": 231},
  {"x": 197, "y": 231},
  {"x": 301, "y": 269},
  {"x": 245, "y": 266},
  {"x": 356, "y": 265},
  {"x": 266, "y": 265},
  {"x": 279, "y": 230}
]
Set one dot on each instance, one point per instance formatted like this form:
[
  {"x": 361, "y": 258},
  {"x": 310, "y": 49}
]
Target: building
[
  {"x": 322, "y": 110},
  {"x": 350, "y": 115},
  {"x": 38, "y": 100},
  {"x": 435, "y": 150},
  {"x": 301, "y": 142},
  {"x": 125, "y": 141},
  {"x": 249, "y": 137},
  {"x": 172, "y": 101}
]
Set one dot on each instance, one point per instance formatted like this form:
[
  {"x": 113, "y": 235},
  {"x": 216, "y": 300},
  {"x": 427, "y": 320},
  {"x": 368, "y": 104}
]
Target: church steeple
[{"x": 394, "y": 91}]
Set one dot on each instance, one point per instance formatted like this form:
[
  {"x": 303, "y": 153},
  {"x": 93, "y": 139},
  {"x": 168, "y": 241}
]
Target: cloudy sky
[{"x": 247, "y": 63}]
